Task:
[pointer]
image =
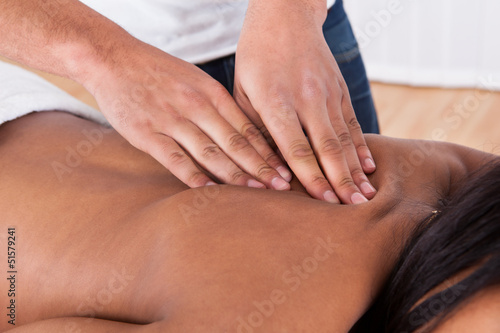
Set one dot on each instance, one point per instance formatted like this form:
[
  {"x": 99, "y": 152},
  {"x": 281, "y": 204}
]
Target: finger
[
  {"x": 353, "y": 141},
  {"x": 209, "y": 155},
  {"x": 285, "y": 127},
  {"x": 237, "y": 119},
  {"x": 332, "y": 157},
  {"x": 363, "y": 152},
  {"x": 351, "y": 137},
  {"x": 174, "y": 158},
  {"x": 239, "y": 149},
  {"x": 344, "y": 137},
  {"x": 245, "y": 105}
]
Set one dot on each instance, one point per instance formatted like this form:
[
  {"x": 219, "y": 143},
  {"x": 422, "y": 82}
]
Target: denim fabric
[
  {"x": 222, "y": 70},
  {"x": 340, "y": 38}
]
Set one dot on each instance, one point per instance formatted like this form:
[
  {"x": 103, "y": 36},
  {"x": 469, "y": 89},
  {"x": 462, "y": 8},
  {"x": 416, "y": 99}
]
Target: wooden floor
[{"x": 466, "y": 116}]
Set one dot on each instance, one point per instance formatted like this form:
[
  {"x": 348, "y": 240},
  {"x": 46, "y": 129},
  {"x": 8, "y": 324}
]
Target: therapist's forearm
[{"x": 65, "y": 38}]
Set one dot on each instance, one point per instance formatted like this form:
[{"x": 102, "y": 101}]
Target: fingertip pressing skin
[
  {"x": 255, "y": 184},
  {"x": 369, "y": 165},
  {"x": 357, "y": 198},
  {"x": 285, "y": 173},
  {"x": 330, "y": 197},
  {"x": 368, "y": 189},
  {"x": 280, "y": 184}
]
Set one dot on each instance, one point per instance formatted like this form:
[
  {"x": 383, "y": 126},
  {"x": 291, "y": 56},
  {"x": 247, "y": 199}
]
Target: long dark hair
[{"x": 463, "y": 235}]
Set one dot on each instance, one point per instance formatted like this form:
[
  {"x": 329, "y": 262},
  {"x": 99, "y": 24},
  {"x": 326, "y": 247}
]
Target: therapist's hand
[
  {"x": 287, "y": 81},
  {"x": 185, "y": 119}
]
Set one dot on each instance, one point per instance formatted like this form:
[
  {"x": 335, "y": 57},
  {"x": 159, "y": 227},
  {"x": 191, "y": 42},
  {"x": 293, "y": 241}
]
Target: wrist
[
  {"x": 310, "y": 12},
  {"x": 88, "y": 60}
]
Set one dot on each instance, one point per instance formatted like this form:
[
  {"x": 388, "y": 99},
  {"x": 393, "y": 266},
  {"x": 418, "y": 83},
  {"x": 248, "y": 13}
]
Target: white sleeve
[{"x": 22, "y": 92}]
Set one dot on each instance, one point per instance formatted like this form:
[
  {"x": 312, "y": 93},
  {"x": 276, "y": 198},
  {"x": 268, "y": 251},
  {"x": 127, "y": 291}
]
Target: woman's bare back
[{"x": 103, "y": 231}]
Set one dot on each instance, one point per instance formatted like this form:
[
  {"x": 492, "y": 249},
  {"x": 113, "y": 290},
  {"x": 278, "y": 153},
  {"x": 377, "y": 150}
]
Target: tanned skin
[{"x": 111, "y": 234}]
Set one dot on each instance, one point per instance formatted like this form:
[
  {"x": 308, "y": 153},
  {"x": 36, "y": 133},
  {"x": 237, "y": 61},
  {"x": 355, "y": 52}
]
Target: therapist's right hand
[{"x": 184, "y": 119}]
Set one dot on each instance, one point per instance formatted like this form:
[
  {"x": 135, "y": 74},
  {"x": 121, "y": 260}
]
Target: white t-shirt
[{"x": 193, "y": 30}]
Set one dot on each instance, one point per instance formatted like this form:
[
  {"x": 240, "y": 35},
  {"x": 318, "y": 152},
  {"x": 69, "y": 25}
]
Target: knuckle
[
  {"x": 263, "y": 171},
  {"x": 272, "y": 158},
  {"x": 142, "y": 124},
  {"x": 301, "y": 150},
  {"x": 278, "y": 101},
  {"x": 337, "y": 118},
  {"x": 237, "y": 142},
  {"x": 345, "y": 139},
  {"x": 353, "y": 124},
  {"x": 175, "y": 115},
  {"x": 331, "y": 146},
  {"x": 276, "y": 92},
  {"x": 176, "y": 157},
  {"x": 197, "y": 178},
  {"x": 311, "y": 88},
  {"x": 320, "y": 181},
  {"x": 210, "y": 151},
  {"x": 346, "y": 182},
  {"x": 193, "y": 97},
  {"x": 357, "y": 172},
  {"x": 236, "y": 177},
  {"x": 251, "y": 133}
]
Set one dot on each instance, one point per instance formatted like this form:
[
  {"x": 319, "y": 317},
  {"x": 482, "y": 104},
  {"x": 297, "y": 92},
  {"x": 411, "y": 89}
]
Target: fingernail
[
  {"x": 210, "y": 183},
  {"x": 367, "y": 188},
  {"x": 358, "y": 198},
  {"x": 330, "y": 197},
  {"x": 287, "y": 175},
  {"x": 280, "y": 184},
  {"x": 370, "y": 164},
  {"x": 255, "y": 184}
]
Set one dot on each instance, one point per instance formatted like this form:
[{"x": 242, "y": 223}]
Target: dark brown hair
[{"x": 464, "y": 235}]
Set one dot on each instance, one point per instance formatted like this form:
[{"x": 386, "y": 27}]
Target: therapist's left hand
[{"x": 287, "y": 81}]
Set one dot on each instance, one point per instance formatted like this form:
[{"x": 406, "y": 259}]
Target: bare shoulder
[{"x": 415, "y": 164}]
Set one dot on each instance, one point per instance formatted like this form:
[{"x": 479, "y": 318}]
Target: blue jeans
[{"x": 340, "y": 38}]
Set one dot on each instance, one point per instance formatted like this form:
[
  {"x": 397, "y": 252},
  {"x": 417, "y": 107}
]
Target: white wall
[{"x": 448, "y": 43}]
